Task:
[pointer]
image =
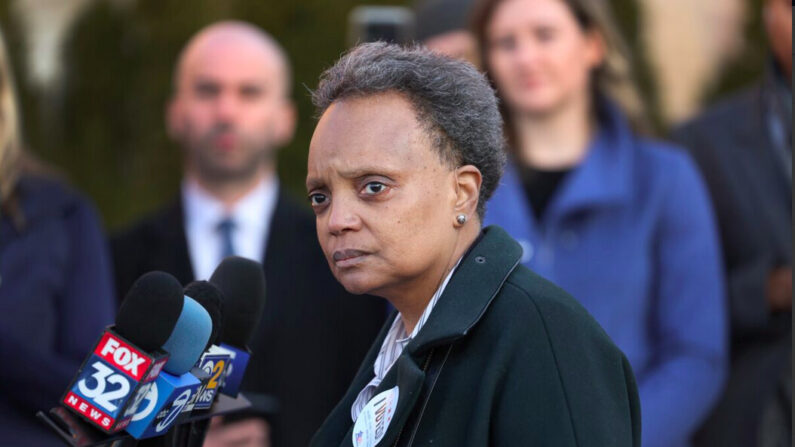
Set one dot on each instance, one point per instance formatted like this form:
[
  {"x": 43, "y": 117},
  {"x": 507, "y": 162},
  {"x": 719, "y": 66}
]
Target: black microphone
[
  {"x": 150, "y": 310},
  {"x": 212, "y": 299},
  {"x": 215, "y": 360},
  {"x": 242, "y": 282}
]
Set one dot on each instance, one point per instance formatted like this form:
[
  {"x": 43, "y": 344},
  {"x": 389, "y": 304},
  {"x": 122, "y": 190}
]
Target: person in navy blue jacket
[
  {"x": 622, "y": 223},
  {"x": 56, "y": 293}
]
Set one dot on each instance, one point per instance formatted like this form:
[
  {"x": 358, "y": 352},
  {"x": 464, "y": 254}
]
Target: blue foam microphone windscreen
[{"x": 189, "y": 338}]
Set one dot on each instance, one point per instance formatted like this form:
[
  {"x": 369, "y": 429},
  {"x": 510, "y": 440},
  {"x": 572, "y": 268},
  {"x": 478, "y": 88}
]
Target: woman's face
[
  {"x": 539, "y": 56},
  {"x": 383, "y": 198}
]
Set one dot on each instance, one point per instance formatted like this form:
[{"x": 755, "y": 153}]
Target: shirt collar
[
  {"x": 204, "y": 210},
  {"x": 398, "y": 326}
]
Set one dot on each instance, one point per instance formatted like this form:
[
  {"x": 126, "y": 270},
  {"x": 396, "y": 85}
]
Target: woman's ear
[
  {"x": 595, "y": 49},
  {"x": 468, "y": 180}
]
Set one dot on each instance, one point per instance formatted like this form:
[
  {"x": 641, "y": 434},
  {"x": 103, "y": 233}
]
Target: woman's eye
[
  {"x": 373, "y": 188},
  {"x": 505, "y": 43},
  {"x": 317, "y": 199}
]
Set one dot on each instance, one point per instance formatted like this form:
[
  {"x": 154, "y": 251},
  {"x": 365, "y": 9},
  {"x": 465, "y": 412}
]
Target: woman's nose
[
  {"x": 343, "y": 216},
  {"x": 526, "y": 53}
]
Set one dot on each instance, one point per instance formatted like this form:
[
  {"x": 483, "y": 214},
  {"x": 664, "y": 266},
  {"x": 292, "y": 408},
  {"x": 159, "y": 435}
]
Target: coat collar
[
  {"x": 475, "y": 283},
  {"x": 170, "y": 244},
  {"x": 477, "y": 280},
  {"x": 605, "y": 177}
]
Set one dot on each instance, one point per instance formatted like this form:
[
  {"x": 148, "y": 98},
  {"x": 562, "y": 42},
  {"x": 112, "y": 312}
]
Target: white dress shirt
[
  {"x": 394, "y": 342},
  {"x": 251, "y": 216}
]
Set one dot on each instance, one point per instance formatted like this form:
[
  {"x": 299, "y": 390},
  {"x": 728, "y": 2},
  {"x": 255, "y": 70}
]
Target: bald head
[
  {"x": 237, "y": 37},
  {"x": 230, "y": 108}
]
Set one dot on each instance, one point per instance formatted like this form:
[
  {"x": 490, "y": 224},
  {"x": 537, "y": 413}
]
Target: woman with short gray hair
[{"x": 480, "y": 351}]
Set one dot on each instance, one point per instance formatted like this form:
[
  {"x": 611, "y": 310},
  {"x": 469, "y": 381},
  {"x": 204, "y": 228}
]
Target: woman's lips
[
  {"x": 347, "y": 258},
  {"x": 530, "y": 83}
]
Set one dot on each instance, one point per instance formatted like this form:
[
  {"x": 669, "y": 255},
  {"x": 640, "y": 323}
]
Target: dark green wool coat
[{"x": 505, "y": 359}]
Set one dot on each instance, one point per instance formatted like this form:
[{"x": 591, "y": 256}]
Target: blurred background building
[{"x": 94, "y": 76}]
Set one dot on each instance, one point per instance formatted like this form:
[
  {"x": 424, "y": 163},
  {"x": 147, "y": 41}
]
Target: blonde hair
[
  {"x": 613, "y": 78},
  {"x": 10, "y": 138}
]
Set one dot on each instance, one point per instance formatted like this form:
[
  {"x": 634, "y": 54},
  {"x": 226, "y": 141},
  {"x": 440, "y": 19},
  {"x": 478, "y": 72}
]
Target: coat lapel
[
  {"x": 280, "y": 234},
  {"x": 172, "y": 249},
  {"x": 509, "y": 207},
  {"x": 750, "y": 155},
  {"x": 473, "y": 286},
  {"x": 603, "y": 179},
  {"x": 605, "y": 176},
  {"x": 409, "y": 377}
]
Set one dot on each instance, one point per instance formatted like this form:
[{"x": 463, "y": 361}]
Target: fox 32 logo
[{"x": 104, "y": 386}]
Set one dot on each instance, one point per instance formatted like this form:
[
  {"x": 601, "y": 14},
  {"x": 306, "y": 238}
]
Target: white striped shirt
[{"x": 394, "y": 342}]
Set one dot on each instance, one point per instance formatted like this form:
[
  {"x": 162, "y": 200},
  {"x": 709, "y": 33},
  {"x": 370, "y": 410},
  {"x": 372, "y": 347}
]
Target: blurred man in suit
[
  {"x": 230, "y": 111},
  {"x": 744, "y": 148}
]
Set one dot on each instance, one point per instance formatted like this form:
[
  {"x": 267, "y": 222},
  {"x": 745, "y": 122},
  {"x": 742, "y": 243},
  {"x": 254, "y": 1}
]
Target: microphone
[
  {"x": 175, "y": 387},
  {"x": 157, "y": 292},
  {"x": 211, "y": 298},
  {"x": 242, "y": 283},
  {"x": 215, "y": 360},
  {"x": 112, "y": 381}
]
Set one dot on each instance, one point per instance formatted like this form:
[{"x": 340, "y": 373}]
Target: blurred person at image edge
[
  {"x": 743, "y": 146},
  {"x": 56, "y": 290}
]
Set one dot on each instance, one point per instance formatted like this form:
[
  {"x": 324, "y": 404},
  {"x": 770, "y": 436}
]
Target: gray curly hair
[{"x": 454, "y": 102}]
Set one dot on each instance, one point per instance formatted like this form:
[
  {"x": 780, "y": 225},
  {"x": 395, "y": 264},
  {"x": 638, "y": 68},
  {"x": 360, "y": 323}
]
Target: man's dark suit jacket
[
  {"x": 752, "y": 195},
  {"x": 313, "y": 335}
]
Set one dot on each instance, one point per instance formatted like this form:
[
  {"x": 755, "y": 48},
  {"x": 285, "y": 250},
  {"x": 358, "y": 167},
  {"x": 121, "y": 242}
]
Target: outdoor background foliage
[{"x": 103, "y": 124}]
